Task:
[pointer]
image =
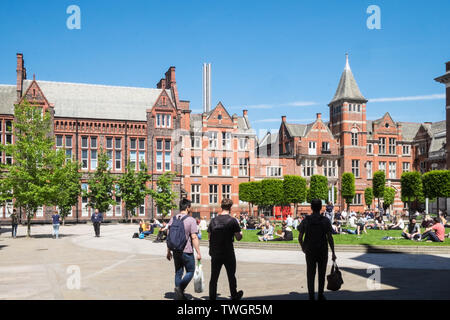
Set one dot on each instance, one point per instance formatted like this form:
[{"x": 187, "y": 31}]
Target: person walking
[
  {"x": 329, "y": 212},
  {"x": 317, "y": 231},
  {"x": 97, "y": 219},
  {"x": 222, "y": 231},
  {"x": 14, "y": 223},
  {"x": 183, "y": 258},
  {"x": 56, "y": 220}
]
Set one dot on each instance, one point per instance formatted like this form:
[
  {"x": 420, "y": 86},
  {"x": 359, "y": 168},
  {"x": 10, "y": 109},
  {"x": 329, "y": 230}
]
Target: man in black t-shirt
[
  {"x": 318, "y": 234},
  {"x": 222, "y": 230}
]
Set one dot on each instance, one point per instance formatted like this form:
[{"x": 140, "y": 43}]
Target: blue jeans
[
  {"x": 183, "y": 261},
  {"x": 14, "y": 230},
  {"x": 56, "y": 230}
]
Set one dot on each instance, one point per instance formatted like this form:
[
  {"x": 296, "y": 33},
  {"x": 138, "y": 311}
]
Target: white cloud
[
  {"x": 300, "y": 104},
  {"x": 411, "y": 98},
  {"x": 267, "y": 120}
]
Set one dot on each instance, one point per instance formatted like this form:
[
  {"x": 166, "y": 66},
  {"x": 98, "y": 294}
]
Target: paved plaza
[{"x": 115, "y": 266}]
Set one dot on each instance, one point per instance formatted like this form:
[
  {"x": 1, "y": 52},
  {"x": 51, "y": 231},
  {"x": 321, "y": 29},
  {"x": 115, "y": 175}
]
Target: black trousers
[
  {"x": 97, "y": 229},
  {"x": 316, "y": 261},
  {"x": 217, "y": 262}
]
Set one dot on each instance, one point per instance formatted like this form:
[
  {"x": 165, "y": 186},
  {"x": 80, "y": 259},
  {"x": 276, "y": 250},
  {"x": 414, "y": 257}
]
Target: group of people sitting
[
  {"x": 267, "y": 231},
  {"x": 147, "y": 227}
]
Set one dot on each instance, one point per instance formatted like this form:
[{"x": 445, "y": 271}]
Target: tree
[
  {"x": 101, "y": 185},
  {"x": 294, "y": 188},
  {"x": 378, "y": 185},
  {"x": 368, "y": 196},
  {"x": 28, "y": 178},
  {"x": 65, "y": 184},
  {"x": 411, "y": 183},
  {"x": 318, "y": 186},
  {"x": 164, "y": 196},
  {"x": 348, "y": 190},
  {"x": 389, "y": 196},
  {"x": 133, "y": 188},
  {"x": 436, "y": 184},
  {"x": 250, "y": 192},
  {"x": 272, "y": 192}
]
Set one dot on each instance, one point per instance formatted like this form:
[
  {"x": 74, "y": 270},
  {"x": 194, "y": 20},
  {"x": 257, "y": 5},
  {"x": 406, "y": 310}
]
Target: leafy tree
[
  {"x": 272, "y": 192},
  {"x": 378, "y": 185},
  {"x": 294, "y": 190},
  {"x": 368, "y": 196},
  {"x": 164, "y": 196},
  {"x": 318, "y": 186},
  {"x": 65, "y": 184},
  {"x": 28, "y": 178},
  {"x": 436, "y": 184},
  {"x": 411, "y": 183},
  {"x": 133, "y": 188},
  {"x": 101, "y": 185},
  {"x": 250, "y": 192},
  {"x": 389, "y": 196},
  {"x": 348, "y": 188}
]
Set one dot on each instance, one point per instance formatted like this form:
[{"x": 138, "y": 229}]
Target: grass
[{"x": 373, "y": 237}]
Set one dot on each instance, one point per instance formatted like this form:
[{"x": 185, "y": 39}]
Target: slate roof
[
  {"x": 348, "y": 88},
  {"x": 8, "y": 96},
  {"x": 79, "y": 100}
]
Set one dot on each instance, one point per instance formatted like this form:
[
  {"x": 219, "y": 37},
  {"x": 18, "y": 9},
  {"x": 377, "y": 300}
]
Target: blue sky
[{"x": 272, "y": 57}]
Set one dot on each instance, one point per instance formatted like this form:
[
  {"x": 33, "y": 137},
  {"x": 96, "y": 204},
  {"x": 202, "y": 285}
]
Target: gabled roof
[
  {"x": 348, "y": 88},
  {"x": 80, "y": 100},
  {"x": 8, "y": 97},
  {"x": 409, "y": 130},
  {"x": 296, "y": 130}
]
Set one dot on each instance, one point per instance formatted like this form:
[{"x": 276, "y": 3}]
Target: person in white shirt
[
  {"x": 203, "y": 225},
  {"x": 344, "y": 215},
  {"x": 289, "y": 221},
  {"x": 352, "y": 221}
]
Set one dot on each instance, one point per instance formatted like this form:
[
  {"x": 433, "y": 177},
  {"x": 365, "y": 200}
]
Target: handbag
[
  {"x": 199, "y": 281},
  {"x": 334, "y": 278}
]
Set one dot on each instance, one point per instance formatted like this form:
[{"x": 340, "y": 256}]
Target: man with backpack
[
  {"x": 181, "y": 239},
  {"x": 222, "y": 230},
  {"x": 317, "y": 231}
]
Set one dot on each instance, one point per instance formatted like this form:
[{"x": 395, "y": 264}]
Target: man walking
[
  {"x": 183, "y": 258},
  {"x": 55, "y": 218},
  {"x": 97, "y": 219},
  {"x": 14, "y": 223},
  {"x": 317, "y": 231},
  {"x": 222, "y": 230}
]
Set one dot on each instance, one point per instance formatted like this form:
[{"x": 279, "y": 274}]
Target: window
[
  {"x": 109, "y": 143},
  {"x": 226, "y": 191},
  {"x": 382, "y": 166},
  {"x": 226, "y": 166},
  {"x": 392, "y": 170},
  {"x": 133, "y": 144},
  {"x": 163, "y": 120},
  {"x": 357, "y": 200},
  {"x": 84, "y": 159},
  {"x": 59, "y": 141},
  {"x": 94, "y": 142},
  {"x": 274, "y": 171},
  {"x": 308, "y": 167},
  {"x": 422, "y": 167},
  {"x": 312, "y": 148},
  {"x": 243, "y": 167},
  {"x": 422, "y": 149},
  {"x": 369, "y": 169},
  {"x": 226, "y": 140},
  {"x": 369, "y": 148},
  {"x": 406, "y": 167},
  {"x": 159, "y": 161},
  {"x": 141, "y": 158},
  {"x": 406, "y": 150},
  {"x": 355, "y": 168},
  {"x": 195, "y": 193},
  {"x": 167, "y": 161},
  {"x": 354, "y": 139},
  {"x": 382, "y": 146},
  {"x": 213, "y": 166},
  {"x": 118, "y": 143},
  {"x": 213, "y": 140},
  {"x": 109, "y": 153},
  {"x": 133, "y": 159},
  {"x": 159, "y": 145},
  {"x": 93, "y": 159},
  {"x": 325, "y": 147},
  {"x": 84, "y": 142},
  {"x": 84, "y": 201},
  {"x": 329, "y": 168},
  {"x": 118, "y": 160},
  {"x": 392, "y": 145},
  {"x": 195, "y": 164},
  {"x": 213, "y": 196},
  {"x": 167, "y": 145},
  {"x": 243, "y": 143},
  {"x": 195, "y": 142},
  {"x": 141, "y": 144},
  {"x": 68, "y": 141}
]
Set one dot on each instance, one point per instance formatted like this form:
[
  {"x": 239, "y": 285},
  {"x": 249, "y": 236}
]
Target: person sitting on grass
[
  {"x": 399, "y": 223},
  {"x": 286, "y": 233},
  {"x": 378, "y": 223},
  {"x": 162, "y": 233},
  {"x": 361, "y": 225},
  {"x": 442, "y": 219},
  {"x": 251, "y": 224},
  {"x": 427, "y": 221},
  {"x": 352, "y": 222},
  {"x": 435, "y": 233},
  {"x": 336, "y": 227},
  {"x": 147, "y": 228},
  {"x": 261, "y": 226},
  {"x": 268, "y": 232},
  {"x": 412, "y": 231}
]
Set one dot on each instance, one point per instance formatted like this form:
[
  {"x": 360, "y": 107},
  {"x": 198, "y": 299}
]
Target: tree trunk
[
  {"x": 296, "y": 209},
  {"x": 28, "y": 225}
]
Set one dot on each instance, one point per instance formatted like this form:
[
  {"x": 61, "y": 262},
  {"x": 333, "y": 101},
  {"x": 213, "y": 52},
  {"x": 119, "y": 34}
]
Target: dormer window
[{"x": 163, "y": 120}]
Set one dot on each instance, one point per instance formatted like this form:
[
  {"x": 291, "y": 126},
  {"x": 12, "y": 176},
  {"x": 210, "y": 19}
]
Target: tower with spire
[{"x": 349, "y": 125}]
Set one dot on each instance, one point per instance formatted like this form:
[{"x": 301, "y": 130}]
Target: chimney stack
[
  {"x": 170, "y": 77},
  {"x": 447, "y": 67},
  {"x": 319, "y": 116},
  {"x": 283, "y": 118},
  {"x": 161, "y": 84},
  {"x": 21, "y": 74}
]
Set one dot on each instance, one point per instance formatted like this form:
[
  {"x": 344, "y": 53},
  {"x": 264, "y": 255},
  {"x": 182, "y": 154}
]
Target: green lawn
[{"x": 373, "y": 237}]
